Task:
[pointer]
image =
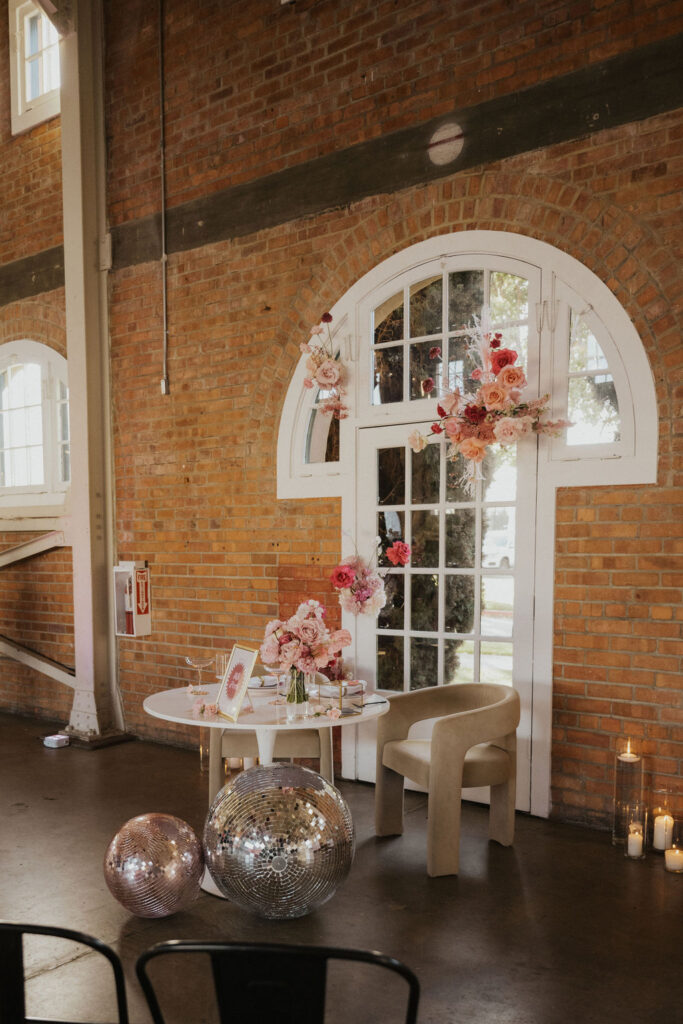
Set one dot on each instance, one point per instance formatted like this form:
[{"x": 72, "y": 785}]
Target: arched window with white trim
[
  {"x": 35, "y": 465},
  {"x": 475, "y": 603}
]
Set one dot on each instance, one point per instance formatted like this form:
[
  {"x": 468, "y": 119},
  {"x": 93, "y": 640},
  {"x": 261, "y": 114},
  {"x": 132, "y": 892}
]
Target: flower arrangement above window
[
  {"x": 326, "y": 371},
  {"x": 361, "y": 585},
  {"x": 495, "y": 413}
]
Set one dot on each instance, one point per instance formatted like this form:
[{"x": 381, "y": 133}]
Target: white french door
[{"x": 462, "y": 610}]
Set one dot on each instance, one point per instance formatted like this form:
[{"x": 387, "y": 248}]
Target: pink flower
[
  {"x": 417, "y": 441},
  {"x": 398, "y": 553},
  {"x": 308, "y": 383},
  {"x": 451, "y": 403},
  {"x": 427, "y": 385},
  {"x": 328, "y": 373},
  {"x": 473, "y": 448},
  {"x": 340, "y": 638},
  {"x": 333, "y": 713},
  {"x": 502, "y": 357},
  {"x": 343, "y": 576},
  {"x": 311, "y": 631},
  {"x": 512, "y": 378},
  {"x": 317, "y": 329},
  {"x": 304, "y": 347},
  {"x": 509, "y": 430},
  {"x": 494, "y": 396},
  {"x": 476, "y": 373}
]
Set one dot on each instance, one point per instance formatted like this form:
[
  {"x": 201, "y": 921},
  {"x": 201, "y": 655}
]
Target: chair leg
[
  {"x": 502, "y": 813},
  {"x": 388, "y": 802},
  {"x": 443, "y": 830}
]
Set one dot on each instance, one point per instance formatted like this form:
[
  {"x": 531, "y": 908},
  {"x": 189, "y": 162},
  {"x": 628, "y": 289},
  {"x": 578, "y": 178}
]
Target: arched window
[
  {"x": 476, "y": 600},
  {"x": 35, "y": 467}
]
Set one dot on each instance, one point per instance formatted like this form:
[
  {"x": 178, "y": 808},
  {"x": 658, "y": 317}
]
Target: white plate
[
  {"x": 332, "y": 690},
  {"x": 262, "y": 683}
]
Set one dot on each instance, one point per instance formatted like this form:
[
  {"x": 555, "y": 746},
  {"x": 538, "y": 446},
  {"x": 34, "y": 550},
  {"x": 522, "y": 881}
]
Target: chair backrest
[
  {"x": 269, "y": 982},
  {"x": 12, "y": 1001}
]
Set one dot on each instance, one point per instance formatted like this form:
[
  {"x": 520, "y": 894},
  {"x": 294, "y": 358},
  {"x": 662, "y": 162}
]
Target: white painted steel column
[{"x": 96, "y": 707}]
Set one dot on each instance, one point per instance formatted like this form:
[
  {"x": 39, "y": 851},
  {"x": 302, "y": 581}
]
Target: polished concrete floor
[{"x": 559, "y": 929}]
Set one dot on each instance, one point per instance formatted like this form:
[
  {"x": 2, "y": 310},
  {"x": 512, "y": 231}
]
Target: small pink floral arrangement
[
  {"x": 495, "y": 413},
  {"x": 324, "y": 370},
  {"x": 361, "y": 585},
  {"x": 303, "y": 641},
  {"x": 200, "y": 707}
]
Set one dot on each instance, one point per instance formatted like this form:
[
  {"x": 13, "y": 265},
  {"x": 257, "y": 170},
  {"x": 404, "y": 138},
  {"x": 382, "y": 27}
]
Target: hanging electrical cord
[{"x": 165, "y": 385}]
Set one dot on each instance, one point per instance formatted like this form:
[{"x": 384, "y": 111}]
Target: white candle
[
  {"x": 628, "y": 756},
  {"x": 634, "y": 845},
  {"x": 673, "y": 859},
  {"x": 663, "y": 831}
]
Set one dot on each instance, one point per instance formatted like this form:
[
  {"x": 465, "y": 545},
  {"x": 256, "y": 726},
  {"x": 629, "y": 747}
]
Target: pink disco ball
[{"x": 154, "y": 865}]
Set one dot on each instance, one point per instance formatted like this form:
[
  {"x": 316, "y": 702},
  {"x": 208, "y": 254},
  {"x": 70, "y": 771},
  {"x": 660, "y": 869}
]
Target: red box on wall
[{"x": 132, "y": 608}]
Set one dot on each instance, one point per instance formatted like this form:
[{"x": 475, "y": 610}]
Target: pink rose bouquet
[
  {"x": 361, "y": 585},
  {"x": 324, "y": 370},
  {"x": 495, "y": 413},
  {"x": 303, "y": 641}
]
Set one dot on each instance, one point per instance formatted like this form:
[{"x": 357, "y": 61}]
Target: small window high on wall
[
  {"x": 34, "y": 65},
  {"x": 35, "y": 464}
]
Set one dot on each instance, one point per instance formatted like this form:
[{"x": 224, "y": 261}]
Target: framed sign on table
[{"x": 235, "y": 681}]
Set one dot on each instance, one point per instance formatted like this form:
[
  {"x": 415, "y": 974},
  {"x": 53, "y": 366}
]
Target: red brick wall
[
  {"x": 257, "y": 87},
  {"x": 618, "y": 589},
  {"x": 30, "y": 177},
  {"x": 195, "y": 471}
]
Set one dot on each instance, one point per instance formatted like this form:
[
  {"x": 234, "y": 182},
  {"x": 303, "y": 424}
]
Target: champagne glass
[{"x": 198, "y": 662}]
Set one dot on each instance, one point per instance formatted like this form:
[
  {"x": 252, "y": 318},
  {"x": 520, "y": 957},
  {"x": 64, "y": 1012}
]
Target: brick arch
[{"x": 41, "y": 318}]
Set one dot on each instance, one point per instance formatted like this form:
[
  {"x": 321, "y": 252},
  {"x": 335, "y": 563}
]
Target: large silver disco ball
[
  {"x": 154, "y": 865},
  {"x": 279, "y": 840}
]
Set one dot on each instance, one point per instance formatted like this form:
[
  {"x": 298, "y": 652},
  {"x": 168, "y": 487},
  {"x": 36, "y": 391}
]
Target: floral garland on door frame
[{"x": 326, "y": 371}]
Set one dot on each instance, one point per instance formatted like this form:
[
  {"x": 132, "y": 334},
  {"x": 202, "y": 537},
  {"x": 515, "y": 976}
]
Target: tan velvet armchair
[{"x": 473, "y": 744}]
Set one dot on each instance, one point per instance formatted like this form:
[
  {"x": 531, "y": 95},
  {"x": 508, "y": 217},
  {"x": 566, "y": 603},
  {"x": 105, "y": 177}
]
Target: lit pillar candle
[
  {"x": 663, "y": 831},
  {"x": 673, "y": 859},
  {"x": 634, "y": 845}
]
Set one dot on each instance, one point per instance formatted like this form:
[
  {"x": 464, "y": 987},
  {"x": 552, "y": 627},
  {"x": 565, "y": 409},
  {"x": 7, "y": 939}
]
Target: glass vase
[
  {"x": 628, "y": 789},
  {"x": 297, "y": 695}
]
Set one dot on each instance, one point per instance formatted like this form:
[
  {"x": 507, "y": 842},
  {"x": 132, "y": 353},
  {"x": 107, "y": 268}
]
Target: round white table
[{"x": 265, "y": 714}]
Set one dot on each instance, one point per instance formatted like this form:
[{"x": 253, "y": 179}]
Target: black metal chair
[
  {"x": 12, "y": 1001},
  {"x": 277, "y": 984}
]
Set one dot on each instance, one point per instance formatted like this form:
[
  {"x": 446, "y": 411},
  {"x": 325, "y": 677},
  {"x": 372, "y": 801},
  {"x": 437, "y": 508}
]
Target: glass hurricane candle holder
[
  {"x": 673, "y": 856},
  {"x": 636, "y": 835},
  {"x": 628, "y": 788},
  {"x": 662, "y": 819}
]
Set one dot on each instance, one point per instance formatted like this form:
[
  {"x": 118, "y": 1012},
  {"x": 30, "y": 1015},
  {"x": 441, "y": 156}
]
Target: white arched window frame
[
  {"x": 45, "y": 494},
  {"x": 563, "y": 293}
]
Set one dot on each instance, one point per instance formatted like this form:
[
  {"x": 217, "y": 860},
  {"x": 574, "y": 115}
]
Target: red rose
[
  {"x": 398, "y": 553},
  {"x": 474, "y": 413},
  {"x": 326, "y": 318},
  {"x": 503, "y": 357},
  {"x": 437, "y": 428},
  {"x": 496, "y": 340},
  {"x": 343, "y": 576},
  {"x": 435, "y": 352},
  {"x": 427, "y": 385},
  {"x": 441, "y": 411}
]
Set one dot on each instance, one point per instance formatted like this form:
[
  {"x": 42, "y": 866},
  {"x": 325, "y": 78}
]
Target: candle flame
[{"x": 628, "y": 747}]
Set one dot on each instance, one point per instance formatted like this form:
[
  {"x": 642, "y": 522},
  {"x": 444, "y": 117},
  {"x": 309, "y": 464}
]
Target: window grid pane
[{"x": 461, "y": 576}]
